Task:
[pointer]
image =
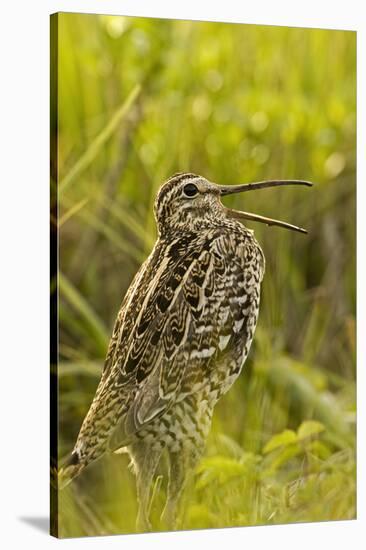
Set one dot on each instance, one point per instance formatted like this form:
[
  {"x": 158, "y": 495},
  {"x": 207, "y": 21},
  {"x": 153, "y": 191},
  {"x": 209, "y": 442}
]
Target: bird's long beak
[{"x": 231, "y": 189}]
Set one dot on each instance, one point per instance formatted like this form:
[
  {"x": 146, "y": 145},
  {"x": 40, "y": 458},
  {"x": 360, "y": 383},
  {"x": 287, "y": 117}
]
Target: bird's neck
[{"x": 199, "y": 227}]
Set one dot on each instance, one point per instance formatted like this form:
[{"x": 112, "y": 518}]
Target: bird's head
[{"x": 190, "y": 202}]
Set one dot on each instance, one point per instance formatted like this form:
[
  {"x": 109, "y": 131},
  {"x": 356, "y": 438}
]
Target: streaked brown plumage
[{"x": 180, "y": 339}]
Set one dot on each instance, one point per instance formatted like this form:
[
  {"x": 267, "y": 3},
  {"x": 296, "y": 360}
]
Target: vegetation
[{"x": 141, "y": 99}]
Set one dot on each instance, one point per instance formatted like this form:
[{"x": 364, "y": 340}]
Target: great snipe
[{"x": 181, "y": 337}]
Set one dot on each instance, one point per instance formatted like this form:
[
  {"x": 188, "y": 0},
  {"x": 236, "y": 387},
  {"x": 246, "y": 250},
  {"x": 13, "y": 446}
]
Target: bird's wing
[
  {"x": 122, "y": 320},
  {"x": 186, "y": 304},
  {"x": 190, "y": 322}
]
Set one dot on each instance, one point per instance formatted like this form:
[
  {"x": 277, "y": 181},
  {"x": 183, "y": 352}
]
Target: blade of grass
[
  {"x": 325, "y": 408},
  {"x": 113, "y": 237},
  {"x": 81, "y": 306},
  {"x": 72, "y": 211},
  {"x": 87, "y": 368},
  {"x": 88, "y": 156},
  {"x": 130, "y": 222}
]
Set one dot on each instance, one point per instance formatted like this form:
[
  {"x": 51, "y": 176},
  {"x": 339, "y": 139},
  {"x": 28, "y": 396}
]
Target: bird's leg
[
  {"x": 177, "y": 479},
  {"x": 181, "y": 470},
  {"x": 145, "y": 461}
]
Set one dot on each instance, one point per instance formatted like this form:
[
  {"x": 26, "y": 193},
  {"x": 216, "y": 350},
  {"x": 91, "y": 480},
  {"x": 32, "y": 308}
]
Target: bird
[{"x": 180, "y": 339}]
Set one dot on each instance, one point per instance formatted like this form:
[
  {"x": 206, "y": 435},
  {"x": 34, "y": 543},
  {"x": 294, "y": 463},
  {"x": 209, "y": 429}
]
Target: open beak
[{"x": 231, "y": 189}]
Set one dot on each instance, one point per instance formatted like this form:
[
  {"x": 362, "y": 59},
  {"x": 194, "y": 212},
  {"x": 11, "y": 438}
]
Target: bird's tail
[
  {"x": 92, "y": 441},
  {"x": 71, "y": 468}
]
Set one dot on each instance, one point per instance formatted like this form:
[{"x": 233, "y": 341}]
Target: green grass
[{"x": 140, "y": 99}]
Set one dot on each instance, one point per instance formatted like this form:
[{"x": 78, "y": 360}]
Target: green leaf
[
  {"x": 319, "y": 449},
  {"x": 280, "y": 457},
  {"x": 198, "y": 515},
  {"x": 222, "y": 469},
  {"x": 285, "y": 438},
  {"x": 309, "y": 428}
]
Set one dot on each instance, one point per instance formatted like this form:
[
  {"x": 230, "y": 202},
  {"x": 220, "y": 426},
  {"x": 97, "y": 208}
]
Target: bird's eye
[{"x": 190, "y": 190}]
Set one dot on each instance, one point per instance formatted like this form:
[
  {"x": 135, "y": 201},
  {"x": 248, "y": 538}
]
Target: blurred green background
[{"x": 140, "y": 99}]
